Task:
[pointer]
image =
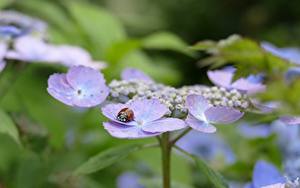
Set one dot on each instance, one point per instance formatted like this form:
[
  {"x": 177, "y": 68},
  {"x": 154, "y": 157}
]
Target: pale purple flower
[
  {"x": 31, "y": 49},
  {"x": 255, "y": 131},
  {"x": 129, "y": 179},
  {"x": 15, "y": 24},
  {"x": 207, "y": 146},
  {"x": 202, "y": 115},
  {"x": 3, "y": 50},
  {"x": 292, "y": 74},
  {"x": 148, "y": 119},
  {"x": 267, "y": 176},
  {"x": 73, "y": 56},
  {"x": 290, "y": 120},
  {"x": 291, "y": 54},
  {"x": 131, "y": 73},
  {"x": 7, "y": 31},
  {"x": 224, "y": 78},
  {"x": 80, "y": 87}
]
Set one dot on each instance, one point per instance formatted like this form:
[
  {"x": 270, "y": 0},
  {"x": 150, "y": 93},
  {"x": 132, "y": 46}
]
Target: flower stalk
[{"x": 166, "y": 148}]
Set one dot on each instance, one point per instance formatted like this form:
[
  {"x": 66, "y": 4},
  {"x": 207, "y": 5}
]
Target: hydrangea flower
[
  {"x": 223, "y": 78},
  {"x": 131, "y": 73},
  {"x": 7, "y": 31},
  {"x": 31, "y": 49},
  {"x": 147, "y": 119},
  {"x": 202, "y": 115},
  {"x": 265, "y": 175},
  {"x": 3, "y": 50},
  {"x": 14, "y": 24},
  {"x": 292, "y": 74},
  {"x": 290, "y": 120},
  {"x": 80, "y": 87},
  {"x": 129, "y": 178},
  {"x": 72, "y": 56},
  {"x": 290, "y": 53},
  {"x": 207, "y": 146},
  {"x": 256, "y": 131}
]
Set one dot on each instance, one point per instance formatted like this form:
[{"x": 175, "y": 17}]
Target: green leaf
[
  {"x": 101, "y": 28},
  {"x": 8, "y": 127},
  {"x": 106, "y": 158},
  {"x": 215, "y": 178},
  {"x": 166, "y": 41},
  {"x": 4, "y": 3},
  {"x": 246, "y": 54}
]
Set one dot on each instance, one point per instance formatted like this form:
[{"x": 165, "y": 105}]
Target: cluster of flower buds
[
  {"x": 23, "y": 38},
  {"x": 127, "y": 90}
]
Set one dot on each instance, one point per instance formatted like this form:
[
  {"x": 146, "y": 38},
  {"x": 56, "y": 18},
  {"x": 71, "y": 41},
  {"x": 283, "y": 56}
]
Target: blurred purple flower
[
  {"x": 131, "y": 73},
  {"x": 3, "y": 50},
  {"x": 202, "y": 115},
  {"x": 129, "y": 179},
  {"x": 292, "y": 74},
  {"x": 80, "y": 86},
  {"x": 291, "y": 54},
  {"x": 32, "y": 49},
  {"x": 266, "y": 175},
  {"x": 15, "y": 24},
  {"x": 73, "y": 56},
  {"x": 290, "y": 120},
  {"x": 255, "y": 131},
  {"x": 208, "y": 146},
  {"x": 224, "y": 78},
  {"x": 10, "y": 31},
  {"x": 147, "y": 119}
]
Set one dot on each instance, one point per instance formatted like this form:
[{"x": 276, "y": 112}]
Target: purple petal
[
  {"x": 75, "y": 56},
  {"x": 81, "y": 87},
  {"x": 290, "y": 120},
  {"x": 247, "y": 86},
  {"x": 221, "y": 77},
  {"x": 196, "y": 104},
  {"x": 208, "y": 146},
  {"x": 124, "y": 131},
  {"x": 3, "y": 50},
  {"x": 266, "y": 174},
  {"x": 223, "y": 115},
  {"x": 292, "y": 74},
  {"x": 131, "y": 73},
  {"x": 111, "y": 112},
  {"x": 129, "y": 178},
  {"x": 148, "y": 110},
  {"x": 199, "y": 125},
  {"x": 59, "y": 88},
  {"x": 2, "y": 65},
  {"x": 265, "y": 108},
  {"x": 249, "y": 185},
  {"x": 164, "y": 125},
  {"x": 89, "y": 85},
  {"x": 29, "y": 48},
  {"x": 277, "y": 185},
  {"x": 291, "y": 54},
  {"x": 256, "y": 131}
]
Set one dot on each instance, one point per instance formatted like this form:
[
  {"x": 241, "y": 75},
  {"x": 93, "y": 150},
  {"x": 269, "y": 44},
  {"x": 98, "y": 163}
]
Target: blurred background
[{"x": 152, "y": 35}]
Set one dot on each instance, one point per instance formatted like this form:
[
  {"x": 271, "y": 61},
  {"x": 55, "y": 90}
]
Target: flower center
[{"x": 125, "y": 115}]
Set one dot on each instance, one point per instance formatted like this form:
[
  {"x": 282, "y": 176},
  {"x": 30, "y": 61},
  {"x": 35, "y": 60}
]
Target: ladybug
[{"x": 125, "y": 115}]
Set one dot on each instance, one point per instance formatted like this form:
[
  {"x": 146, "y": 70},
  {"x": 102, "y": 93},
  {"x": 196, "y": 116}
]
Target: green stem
[{"x": 166, "y": 148}]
